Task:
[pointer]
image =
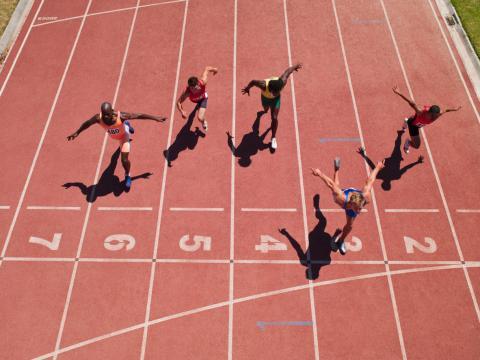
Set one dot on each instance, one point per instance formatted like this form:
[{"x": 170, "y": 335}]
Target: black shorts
[
  {"x": 202, "y": 103},
  {"x": 413, "y": 130}
]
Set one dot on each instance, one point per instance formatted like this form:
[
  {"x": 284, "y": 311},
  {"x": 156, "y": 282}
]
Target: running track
[{"x": 77, "y": 297}]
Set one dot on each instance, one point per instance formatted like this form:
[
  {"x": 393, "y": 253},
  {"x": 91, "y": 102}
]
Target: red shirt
[
  {"x": 197, "y": 95},
  {"x": 423, "y": 118}
]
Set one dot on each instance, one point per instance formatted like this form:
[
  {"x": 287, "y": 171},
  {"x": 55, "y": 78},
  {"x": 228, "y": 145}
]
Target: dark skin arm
[
  {"x": 449, "y": 110},
  {"x": 289, "y": 71},
  {"x": 95, "y": 119},
  {"x": 257, "y": 83},
  {"x": 410, "y": 102},
  {"x": 130, "y": 116}
]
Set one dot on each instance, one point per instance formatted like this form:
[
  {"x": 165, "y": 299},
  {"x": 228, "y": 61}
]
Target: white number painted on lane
[
  {"x": 410, "y": 243},
  {"x": 198, "y": 241},
  {"x": 117, "y": 242},
  {"x": 269, "y": 243},
  {"x": 52, "y": 245}
]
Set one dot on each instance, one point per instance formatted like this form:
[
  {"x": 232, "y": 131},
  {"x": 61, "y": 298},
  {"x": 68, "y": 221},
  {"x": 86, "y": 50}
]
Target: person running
[
  {"x": 116, "y": 124},
  {"x": 422, "y": 117},
  {"x": 196, "y": 91},
  {"x": 270, "y": 96},
  {"x": 350, "y": 199}
]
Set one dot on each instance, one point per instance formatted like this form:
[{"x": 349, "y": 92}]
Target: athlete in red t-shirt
[
  {"x": 196, "y": 92},
  {"x": 421, "y": 118}
]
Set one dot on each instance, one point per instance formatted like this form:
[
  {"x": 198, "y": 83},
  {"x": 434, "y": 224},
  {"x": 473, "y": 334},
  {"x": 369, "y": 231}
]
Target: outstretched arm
[
  {"x": 371, "y": 179},
  {"x": 258, "y": 83},
  {"x": 180, "y": 100},
  {"x": 93, "y": 120},
  {"x": 449, "y": 110},
  {"x": 337, "y": 192},
  {"x": 139, "y": 116},
  {"x": 208, "y": 69},
  {"x": 289, "y": 71},
  {"x": 410, "y": 102}
]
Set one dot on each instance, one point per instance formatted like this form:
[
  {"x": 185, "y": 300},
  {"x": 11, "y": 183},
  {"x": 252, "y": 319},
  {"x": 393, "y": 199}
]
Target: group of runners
[{"x": 118, "y": 126}]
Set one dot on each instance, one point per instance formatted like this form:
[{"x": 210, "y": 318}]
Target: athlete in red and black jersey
[
  {"x": 422, "y": 117},
  {"x": 196, "y": 92}
]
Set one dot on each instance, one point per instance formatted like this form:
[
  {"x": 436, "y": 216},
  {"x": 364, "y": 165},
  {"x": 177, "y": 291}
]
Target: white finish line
[
  {"x": 196, "y": 209},
  {"x": 411, "y": 210},
  {"x": 4, "y": 207},
  {"x": 468, "y": 210},
  {"x": 268, "y": 209},
  {"x": 102, "y": 208},
  {"x": 75, "y": 208}
]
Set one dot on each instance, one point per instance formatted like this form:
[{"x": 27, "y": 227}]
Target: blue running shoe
[
  {"x": 128, "y": 181},
  {"x": 130, "y": 127}
]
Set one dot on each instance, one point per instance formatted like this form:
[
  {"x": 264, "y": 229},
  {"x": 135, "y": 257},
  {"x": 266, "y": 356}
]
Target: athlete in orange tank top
[{"x": 117, "y": 126}]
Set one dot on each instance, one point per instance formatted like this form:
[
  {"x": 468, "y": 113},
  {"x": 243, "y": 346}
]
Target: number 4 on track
[{"x": 268, "y": 243}]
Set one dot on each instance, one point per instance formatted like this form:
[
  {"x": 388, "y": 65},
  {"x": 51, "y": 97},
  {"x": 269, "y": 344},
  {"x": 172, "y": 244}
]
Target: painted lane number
[
  {"x": 429, "y": 248},
  {"x": 52, "y": 245},
  {"x": 118, "y": 242},
  {"x": 198, "y": 241},
  {"x": 269, "y": 243}
]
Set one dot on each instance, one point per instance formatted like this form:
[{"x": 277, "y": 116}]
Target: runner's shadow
[
  {"x": 392, "y": 170},
  {"x": 319, "y": 249},
  {"x": 251, "y": 143},
  {"x": 185, "y": 139},
  {"x": 107, "y": 184}
]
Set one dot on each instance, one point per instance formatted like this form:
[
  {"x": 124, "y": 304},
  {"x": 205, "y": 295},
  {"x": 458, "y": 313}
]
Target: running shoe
[
  {"x": 333, "y": 243},
  {"x": 128, "y": 181},
  {"x": 205, "y": 125},
  {"x": 274, "y": 143},
  {"x": 406, "y": 146},
  {"x": 336, "y": 164},
  {"x": 342, "y": 247},
  {"x": 130, "y": 127}
]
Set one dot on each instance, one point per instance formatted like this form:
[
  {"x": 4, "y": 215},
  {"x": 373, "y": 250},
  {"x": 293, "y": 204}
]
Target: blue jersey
[{"x": 350, "y": 212}]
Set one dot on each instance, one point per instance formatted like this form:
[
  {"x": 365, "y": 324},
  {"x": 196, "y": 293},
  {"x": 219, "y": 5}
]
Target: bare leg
[
  {"x": 275, "y": 121},
  {"x": 415, "y": 141},
  {"x": 126, "y": 163},
  {"x": 201, "y": 118}
]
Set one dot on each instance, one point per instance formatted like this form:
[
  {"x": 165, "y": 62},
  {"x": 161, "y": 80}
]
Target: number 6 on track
[{"x": 197, "y": 242}]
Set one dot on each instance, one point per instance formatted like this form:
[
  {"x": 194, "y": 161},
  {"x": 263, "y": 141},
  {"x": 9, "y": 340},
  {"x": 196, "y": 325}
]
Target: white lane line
[
  {"x": 73, "y": 208},
  {"x": 302, "y": 189},
  {"x": 4, "y": 207},
  {"x": 468, "y": 210},
  {"x": 120, "y": 208},
  {"x": 412, "y": 210},
  {"x": 107, "y": 12},
  {"x": 195, "y": 209},
  {"x": 19, "y": 50},
  {"x": 162, "y": 192},
  {"x": 44, "y": 134},
  {"x": 240, "y": 300},
  {"x": 97, "y": 174},
  {"x": 374, "y": 201},
  {"x": 434, "y": 168},
  {"x": 269, "y": 209},
  {"x": 456, "y": 63},
  {"x": 231, "y": 272}
]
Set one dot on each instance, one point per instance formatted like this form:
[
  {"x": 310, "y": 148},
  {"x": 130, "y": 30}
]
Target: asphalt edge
[
  {"x": 462, "y": 43},
  {"x": 14, "y": 26}
]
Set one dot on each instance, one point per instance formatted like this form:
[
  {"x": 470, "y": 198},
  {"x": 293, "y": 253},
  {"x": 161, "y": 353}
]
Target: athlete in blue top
[{"x": 350, "y": 199}]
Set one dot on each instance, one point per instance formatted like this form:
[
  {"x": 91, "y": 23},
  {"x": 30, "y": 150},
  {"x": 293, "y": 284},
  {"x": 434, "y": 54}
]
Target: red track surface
[{"x": 85, "y": 301}]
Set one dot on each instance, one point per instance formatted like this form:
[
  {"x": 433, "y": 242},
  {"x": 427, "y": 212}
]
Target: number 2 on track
[{"x": 410, "y": 243}]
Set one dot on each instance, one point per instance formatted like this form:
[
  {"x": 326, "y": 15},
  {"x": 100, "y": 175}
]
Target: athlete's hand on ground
[
  {"x": 72, "y": 137},
  {"x": 283, "y": 231},
  {"x": 297, "y": 67},
  {"x": 184, "y": 114},
  {"x": 316, "y": 172},
  {"x": 246, "y": 90}
]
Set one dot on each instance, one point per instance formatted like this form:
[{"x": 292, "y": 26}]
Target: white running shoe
[
  {"x": 406, "y": 146},
  {"x": 404, "y": 125},
  {"x": 274, "y": 143},
  {"x": 336, "y": 164}
]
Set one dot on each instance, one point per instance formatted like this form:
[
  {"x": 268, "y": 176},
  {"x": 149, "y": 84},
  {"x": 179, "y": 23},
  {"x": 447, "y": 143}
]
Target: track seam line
[
  {"x": 44, "y": 133},
  {"x": 162, "y": 192},
  {"x": 19, "y": 50},
  {"x": 240, "y": 300},
  {"x": 302, "y": 189},
  {"x": 434, "y": 168},
  {"x": 456, "y": 65},
  {"x": 374, "y": 201},
  {"x": 106, "y": 12},
  {"x": 89, "y": 206},
  {"x": 232, "y": 190}
]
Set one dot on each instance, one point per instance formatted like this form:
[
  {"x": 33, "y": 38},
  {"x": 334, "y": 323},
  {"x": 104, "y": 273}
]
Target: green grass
[
  {"x": 6, "y": 9},
  {"x": 469, "y": 12}
]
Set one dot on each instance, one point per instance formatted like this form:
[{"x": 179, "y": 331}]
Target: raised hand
[
  {"x": 72, "y": 137},
  {"x": 316, "y": 172},
  {"x": 297, "y": 67},
  {"x": 246, "y": 90}
]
